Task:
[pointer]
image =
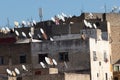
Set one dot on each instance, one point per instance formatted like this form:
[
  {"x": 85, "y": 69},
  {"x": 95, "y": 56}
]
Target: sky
[{"x": 19, "y": 10}]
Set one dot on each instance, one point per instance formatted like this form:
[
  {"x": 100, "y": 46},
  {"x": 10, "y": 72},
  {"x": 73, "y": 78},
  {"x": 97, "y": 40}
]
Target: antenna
[
  {"x": 105, "y": 8},
  {"x": 24, "y": 34},
  {"x": 43, "y": 65},
  {"x": 54, "y": 62},
  {"x": 9, "y": 72},
  {"x": 17, "y": 71},
  {"x": 16, "y": 32},
  {"x": 24, "y": 68},
  {"x": 40, "y": 14}
]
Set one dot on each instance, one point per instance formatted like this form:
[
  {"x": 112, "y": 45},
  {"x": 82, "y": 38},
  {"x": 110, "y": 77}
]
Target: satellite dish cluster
[
  {"x": 90, "y": 25},
  {"x": 56, "y": 19},
  {"x": 5, "y": 30},
  {"x": 49, "y": 61},
  {"x": 16, "y": 71},
  {"x": 115, "y": 9},
  {"x": 25, "y": 23}
]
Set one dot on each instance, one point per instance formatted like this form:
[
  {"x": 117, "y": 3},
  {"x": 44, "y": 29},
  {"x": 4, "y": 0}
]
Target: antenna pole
[
  {"x": 105, "y": 8},
  {"x": 8, "y": 22},
  {"x": 40, "y": 14}
]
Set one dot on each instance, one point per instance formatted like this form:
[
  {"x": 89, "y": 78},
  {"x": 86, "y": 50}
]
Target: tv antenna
[{"x": 40, "y": 14}]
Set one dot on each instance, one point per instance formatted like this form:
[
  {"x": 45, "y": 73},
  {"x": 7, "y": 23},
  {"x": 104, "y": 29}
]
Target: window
[
  {"x": 22, "y": 58},
  {"x": 1, "y": 60},
  {"x": 105, "y": 56},
  {"x": 41, "y": 57},
  {"x": 63, "y": 56},
  {"x": 94, "y": 56}
]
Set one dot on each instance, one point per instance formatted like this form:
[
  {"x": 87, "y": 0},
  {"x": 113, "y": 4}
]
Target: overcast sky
[{"x": 18, "y": 10}]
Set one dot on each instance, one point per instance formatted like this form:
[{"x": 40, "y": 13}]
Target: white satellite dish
[
  {"x": 30, "y": 34},
  {"x": 7, "y": 29},
  {"x": 41, "y": 30},
  {"x": 52, "y": 19},
  {"x": 89, "y": 25},
  {"x": 13, "y": 73},
  {"x": 24, "y": 23},
  {"x": 51, "y": 39},
  {"x": 17, "y": 71},
  {"x": 48, "y": 61},
  {"x": 94, "y": 25},
  {"x": 38, "y": 35},
  {"x": 54, "y": 62},
  {"x": 16, "y": 23},
  {"x": 43, "y": 65},
  {"x": 24, "y": 68},
  {"x": 34, "y": 22},
  {"x": 16, "y": 32},
  {"x": 64, "y": 15},
  {"x": 3, "y": 29},
  {"x": 24, "y": 34},
  {"x": 9, "y": 72},
  {"x": 86, "y": 23}
]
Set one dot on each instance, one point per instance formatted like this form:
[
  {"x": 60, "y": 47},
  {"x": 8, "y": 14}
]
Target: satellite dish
[
  {"x": 13, "y": 73},
  {"x": 17, "y": 71},
  {"x": 86, "y": 23},
  {"x": 24, "y": 23},
  {"x": 24, "y": 68},
  {"x": 34, "y": 22},
  {"x": 95, "y": 26},
  {"x": 48, "y": 61},
  {"x": 24, "y": 34},
  {"x": 9, "y": 72},
  {"x": 89, "y": 25},
  {"x": 38, "y": 35},
  {"x": 43, "y": 65},
  {"x": 51, "y": 39},
  {"x": 41, "y": 30},
  {"x": 3, "y": 29},
  {"x": 52, "y": 19},
  {"x": 7, "y": 29},
  {"x": 16, "y": 32},
  {"x": 16, "y": 23},
  {"x": 54, "y": 62},
  {"x": 65, "y": 64},
  {"x": 64, "y": 15},
  {"x": 30, "y": 34}
]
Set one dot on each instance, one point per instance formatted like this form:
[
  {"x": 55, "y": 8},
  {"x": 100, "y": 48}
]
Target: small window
[
  {"x": 94, "y": 56},
  {"x": 63, "y": 56},
  {"x": 41, "y": 57},
  {"x": 1, "y": 60},
  {"x": 105, "y": 56},
  {"x": 22, "y": 58}
]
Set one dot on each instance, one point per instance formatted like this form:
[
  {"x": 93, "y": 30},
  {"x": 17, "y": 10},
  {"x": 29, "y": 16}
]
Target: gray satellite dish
[
  {"x": 9, "y": 72},
  {"x": 43, "y": 65},
  {"x": 17, "y": 71}
]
